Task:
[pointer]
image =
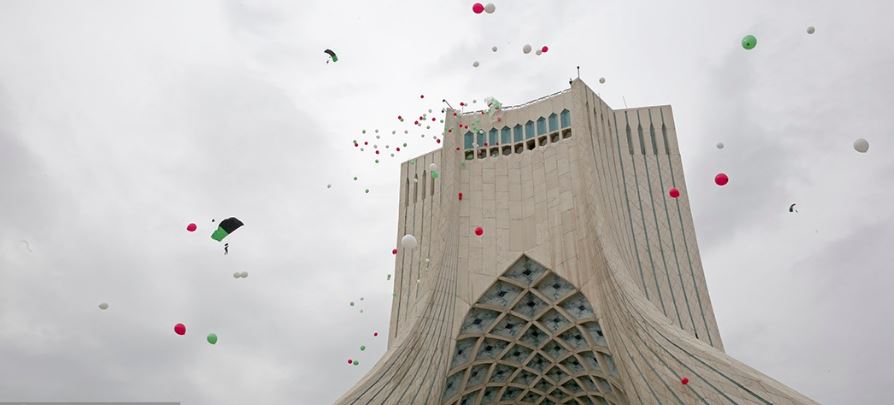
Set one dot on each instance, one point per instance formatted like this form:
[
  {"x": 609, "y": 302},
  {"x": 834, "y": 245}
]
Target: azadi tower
[{"x": 586, "y": 286}]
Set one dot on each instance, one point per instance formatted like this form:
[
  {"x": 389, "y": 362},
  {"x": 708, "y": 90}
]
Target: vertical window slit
[
  {"x": 652, "y": 135},
  {"x": 666, "y": 144},
  {"x": 642, "y": 143},
  {"x": 629, "y": 140}
]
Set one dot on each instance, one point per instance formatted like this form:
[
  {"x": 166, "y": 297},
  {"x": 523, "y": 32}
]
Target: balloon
[
  {"x": 237, "y": 274},
  {"x": 350, "y": 361},
  {"x": 225, "y": 228},
  {"x": 526, "y": 49},
  {"x": 721, "y": 179},
  {"x": 601, "y": 80},
  {"x": 408, "y": 242},
  {"x": 674, "y": 193},
  {"x": 191, "y": 227},
  {"x": 460, "y": 196},
  {"x": 394, "y": 251},
  {"x": 479, "y": 231},
  {"x": 180, "y": 329},
  {"x": 861, "y": 145},
  {"x": 494, "y": 49},
  {"x": 811, "y": 30},
  {"x": 538, "y": 52},
  {"x": 545, "y": 49},
  {"x": 328, "y": 186},
  {"x": 475, "y": 64},
  {"x": 356, "y": 363},
  {"x": 212, "y": 338},
  {"x": 749, "y": 42},
  {"x": 244, "y": 274},
  {"x": 719, "y": 145},
  {"x": 331, "y": 55},
  {"x": 434, "y": 174},
  {"x": 490, "y": 8},
  {"x": 362, "y": 348},
  {"x": 375, "y": 333},
  {"x": 103, "y": 306},
  {"x": 477, "y": 8},
  {"x": 684, "y": 381},
  {"x": 433, "y": 167}
]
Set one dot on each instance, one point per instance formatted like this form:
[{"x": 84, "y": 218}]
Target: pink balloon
[
  {"x": 721, "y": 179},
  {"x": 478, "y": 8},
  {"x": 180, "y": 329},
  {"x": 674, "y": 193},
  {"x": 479, "y": 231},
  {"x": 191, "y": 227}
]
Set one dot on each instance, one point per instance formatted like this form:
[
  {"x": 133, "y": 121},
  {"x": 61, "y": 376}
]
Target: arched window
[
  {"x": 566, "y": 118},
  {"x": 492, "y": 139},
  {"x": 517, "y": 134},
  {"x": 553, "y": 122},
  {"x": 505, "y": 136},
  {"x": 468, "y": 140},
  {"x": 529, "y": 129},
  {"x": 541, "y": 126}
]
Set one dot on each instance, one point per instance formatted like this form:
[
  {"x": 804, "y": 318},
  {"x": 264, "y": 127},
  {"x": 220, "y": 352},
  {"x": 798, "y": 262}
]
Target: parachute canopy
[
  {"x": 331, "y": 55},
  {"x": 225, "y": 228}
]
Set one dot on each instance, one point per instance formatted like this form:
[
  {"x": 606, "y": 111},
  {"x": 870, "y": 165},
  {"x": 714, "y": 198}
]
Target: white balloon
[
  {"x": 494, "y": 49},
  {"x": 719, "y": 145},
  {"x": 475, "y": 64},
  {"x": 538, "y": 52},
  {"x": 861, "y": 145},
  {"x": 409, "y": 242},
  {"x": 526, "y": 48},
  {"x": 237, "y": 275},
  {"x": 244, "y": 274},
  {"x": 490, "y": 8},
  {"x": 811, "y": 29},
  {"x": 601, "y": 80},
  {"x": 433, "y": 167},
  {"x": 103, "y": 306}
]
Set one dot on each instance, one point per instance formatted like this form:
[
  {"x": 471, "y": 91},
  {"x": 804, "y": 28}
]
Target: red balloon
[
  {"x": 439, "y": 141},
  {"x": 350, "y": 361},
  {"x": 180, "y": 329},
  {"x": 377, "y": 152},
  {"x": 684, "y": 380},
  {"x": 394, "y": 251},
  {"x": 375, "y": 333},
  {"x": 460, "y": 196},
  {"x": 398, "y": 149},
  {"x": 674, "y": 193},
  {"x": 545, "y": 49},
  {"x": 478, "y": 8},
  {"x": 366, "y": 142},
  {"x": 422, "y": 96},
  {"x": 479, "y": 231},
  {"x": 721, "y": 179},
  {"x": 191, "y": 227}
]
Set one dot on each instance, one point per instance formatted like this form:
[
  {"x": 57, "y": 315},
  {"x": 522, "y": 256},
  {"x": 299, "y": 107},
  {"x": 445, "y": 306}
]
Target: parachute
[
  {"x": 225, "y": 228},
  {"x": 791, "y": 208},
  {"x": 332, "y": 55}
]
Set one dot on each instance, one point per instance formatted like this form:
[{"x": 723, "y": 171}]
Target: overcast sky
[{"x": 123, "y": 121}]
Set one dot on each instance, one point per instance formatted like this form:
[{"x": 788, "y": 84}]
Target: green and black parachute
[{"x": 225, "y": 228}]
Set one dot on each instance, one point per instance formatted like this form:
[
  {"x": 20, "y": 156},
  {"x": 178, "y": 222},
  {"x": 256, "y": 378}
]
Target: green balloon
[
  {"x": 212, "y": 338},
  {"x": 362, "y": 348},
  {"x": 434, "y": 174},
  {"x": 356, "y": 363},
  {"x": 749, "y": 42}
]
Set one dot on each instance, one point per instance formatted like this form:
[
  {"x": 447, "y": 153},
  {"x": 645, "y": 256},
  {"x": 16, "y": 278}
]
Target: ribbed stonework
[{"x": 586, "y": 286}]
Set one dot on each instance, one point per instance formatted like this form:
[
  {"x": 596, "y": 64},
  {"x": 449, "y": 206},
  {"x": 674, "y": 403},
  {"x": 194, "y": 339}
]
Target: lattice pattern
[{"x": 532, "y": 338}]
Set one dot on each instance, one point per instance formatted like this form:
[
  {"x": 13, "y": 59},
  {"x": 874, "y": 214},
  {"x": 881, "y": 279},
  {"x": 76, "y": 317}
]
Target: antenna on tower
[
  {"x": 448, "y": 104},
  {"x": 625, "y": 101},
  {"x": 578, "y": 72}
]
